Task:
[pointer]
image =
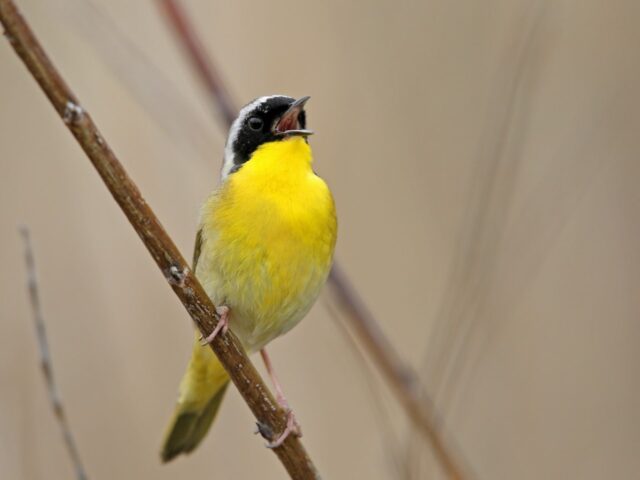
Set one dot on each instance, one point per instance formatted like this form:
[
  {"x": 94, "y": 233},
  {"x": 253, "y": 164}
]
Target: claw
[
  {"x": 293, "y": 427},
  {"x": 223, "y": 324}
]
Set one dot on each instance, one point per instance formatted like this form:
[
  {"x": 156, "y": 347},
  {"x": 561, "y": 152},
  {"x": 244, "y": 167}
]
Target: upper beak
[{"x": 288, "y": 123}]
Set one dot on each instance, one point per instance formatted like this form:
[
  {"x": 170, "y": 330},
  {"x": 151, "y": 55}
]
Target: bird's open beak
[{"x": 288, "y": 123}]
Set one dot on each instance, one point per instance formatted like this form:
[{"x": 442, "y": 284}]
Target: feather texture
[{"x": 264, "y": 249}]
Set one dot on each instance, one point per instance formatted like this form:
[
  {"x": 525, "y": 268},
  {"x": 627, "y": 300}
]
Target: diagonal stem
[
  {"x": 200, "y": 60},
  {"x": 45, "y": 358},
  {"x": 403, "y": 380},
  {"x": 163, "y": 250}
]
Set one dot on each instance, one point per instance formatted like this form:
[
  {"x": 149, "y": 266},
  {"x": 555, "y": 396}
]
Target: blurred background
[{"x": 484, "y": 160}]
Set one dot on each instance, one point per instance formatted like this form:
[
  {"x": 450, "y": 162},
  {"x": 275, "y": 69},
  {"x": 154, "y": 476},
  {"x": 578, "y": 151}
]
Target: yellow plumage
[{"x": 266, "y": 245}]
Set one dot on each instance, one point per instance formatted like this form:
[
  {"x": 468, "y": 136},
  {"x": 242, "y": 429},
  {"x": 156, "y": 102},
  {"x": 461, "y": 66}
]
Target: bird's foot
[
  {"x": 293, "y": 427},
  {"x": 292, "y": 424},
  {"x": 223, "y": 324}
]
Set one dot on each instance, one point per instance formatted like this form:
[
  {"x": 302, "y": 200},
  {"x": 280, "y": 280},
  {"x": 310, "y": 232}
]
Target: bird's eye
[{"x": 255, "y": 123}]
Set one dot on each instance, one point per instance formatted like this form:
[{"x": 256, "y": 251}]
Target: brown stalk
[
  {"x": 270, "y": 417},
  {"x": 45, "y": 358},
  {"x": 403, "y": 380},
  {"x": 209, "y": 75}
]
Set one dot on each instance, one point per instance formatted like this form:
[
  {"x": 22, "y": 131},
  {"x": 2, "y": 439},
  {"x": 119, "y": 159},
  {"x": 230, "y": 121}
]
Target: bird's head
[{"x": 266, "y": 119}]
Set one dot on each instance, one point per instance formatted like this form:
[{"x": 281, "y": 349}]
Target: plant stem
[
  {"x": 45, "y": 358},
  {"x": 269, "y": 415},
  {"x": 403, "y": 380}
]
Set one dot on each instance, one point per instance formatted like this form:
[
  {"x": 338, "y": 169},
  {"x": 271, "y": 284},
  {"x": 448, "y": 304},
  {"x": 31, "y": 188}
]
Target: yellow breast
[{"x": 268, "y": 237}]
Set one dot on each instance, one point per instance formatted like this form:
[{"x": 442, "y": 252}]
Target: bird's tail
[{"x": 201, "y": 392}]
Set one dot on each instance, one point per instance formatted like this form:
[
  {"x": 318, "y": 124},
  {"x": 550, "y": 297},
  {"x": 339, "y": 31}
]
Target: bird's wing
[{"x": 196, "y": 250}]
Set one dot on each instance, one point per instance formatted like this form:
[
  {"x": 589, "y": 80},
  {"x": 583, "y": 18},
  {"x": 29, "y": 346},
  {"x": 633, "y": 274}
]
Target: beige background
[{"x": 484, "y": 159}]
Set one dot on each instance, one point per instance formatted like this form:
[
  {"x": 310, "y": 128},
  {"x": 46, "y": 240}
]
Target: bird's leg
[
  {"x": 223, "y": 324},
  {"x": 292, "y": 424}
]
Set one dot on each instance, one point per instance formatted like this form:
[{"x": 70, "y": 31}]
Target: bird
[{"x": 263, "y": 251}]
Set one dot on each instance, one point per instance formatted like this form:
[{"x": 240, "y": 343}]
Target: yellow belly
[{"x": 268, "y": 235}]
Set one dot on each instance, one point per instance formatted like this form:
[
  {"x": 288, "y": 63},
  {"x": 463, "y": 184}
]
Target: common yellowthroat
[{"x": 263, "y": 252}]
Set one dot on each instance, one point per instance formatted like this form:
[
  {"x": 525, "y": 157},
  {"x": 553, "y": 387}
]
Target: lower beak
[{"x": 288, "y": 123}]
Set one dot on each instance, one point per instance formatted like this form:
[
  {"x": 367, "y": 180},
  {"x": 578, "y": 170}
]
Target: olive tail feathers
[{"x": 201, "y": 392}]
